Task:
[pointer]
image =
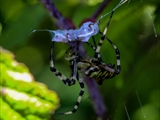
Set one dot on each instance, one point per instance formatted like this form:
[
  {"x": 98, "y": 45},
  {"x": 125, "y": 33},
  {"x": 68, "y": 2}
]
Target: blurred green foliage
[
  {"x": 21, "y": 97},
  {"x": 135, "y": 29}
]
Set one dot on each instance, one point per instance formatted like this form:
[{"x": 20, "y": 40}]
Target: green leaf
[{"x": 21, "y": 93}]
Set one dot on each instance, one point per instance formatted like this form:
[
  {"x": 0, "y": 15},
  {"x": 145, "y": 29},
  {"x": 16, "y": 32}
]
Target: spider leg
[
  {"x": 67, "y": 81},
  {"x": 62, "y": 77},
  {"x": 70, "y": 54},
  {"x": 94, "y": 47},
  {"x": 73, "y": 70},
  {"x": 117, "y": 55},
  {"x": 94, "y": 41},
  {"x": 79, "y": 97},
  {"x": 97, "y": 55}
]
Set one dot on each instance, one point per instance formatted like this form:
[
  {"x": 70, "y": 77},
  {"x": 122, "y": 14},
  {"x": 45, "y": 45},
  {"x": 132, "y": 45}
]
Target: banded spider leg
[
  {"x": 97, "y": 56},
  {"x": 68, "y": 81}
]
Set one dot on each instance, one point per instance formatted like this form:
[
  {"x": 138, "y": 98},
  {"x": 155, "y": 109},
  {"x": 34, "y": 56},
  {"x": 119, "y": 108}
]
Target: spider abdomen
[{"x": 99, "y": 74}]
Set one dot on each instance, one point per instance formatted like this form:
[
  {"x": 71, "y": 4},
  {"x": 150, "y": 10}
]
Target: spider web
[{"x": 132, "y": 95}]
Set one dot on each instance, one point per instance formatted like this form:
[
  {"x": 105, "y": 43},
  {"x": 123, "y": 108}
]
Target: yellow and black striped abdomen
[{"x": 99, "y": 74}]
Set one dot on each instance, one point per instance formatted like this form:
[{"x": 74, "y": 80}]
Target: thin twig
[
  {"x": 100, "y": 9},
  {"x": 54, "y": 12}
]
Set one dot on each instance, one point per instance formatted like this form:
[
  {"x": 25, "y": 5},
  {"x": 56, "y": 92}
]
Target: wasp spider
[{"x": 95, "y": 67}]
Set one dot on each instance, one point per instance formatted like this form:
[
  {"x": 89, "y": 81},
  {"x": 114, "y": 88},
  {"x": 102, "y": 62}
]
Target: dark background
[{"x": 135, "y": 29}]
